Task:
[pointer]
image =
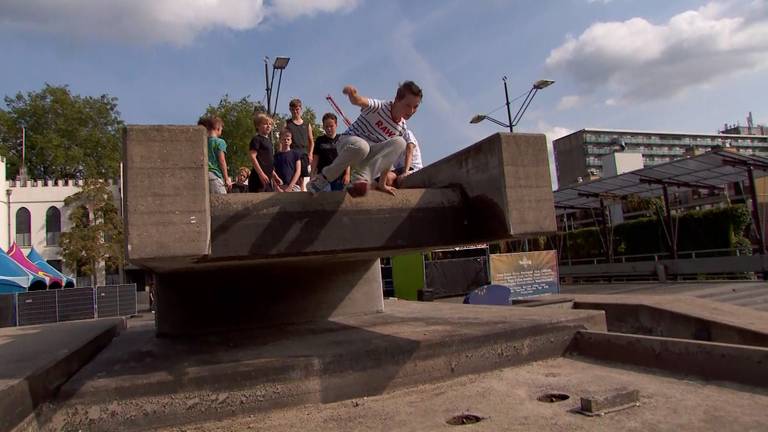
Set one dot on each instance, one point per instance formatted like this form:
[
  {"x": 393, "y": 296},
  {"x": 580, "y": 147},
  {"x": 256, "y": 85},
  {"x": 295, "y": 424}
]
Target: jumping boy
[
  {"x": 218, "y": 178},
  {"x": 261, "y": 151},
  {"x": 374, "y": 141}
]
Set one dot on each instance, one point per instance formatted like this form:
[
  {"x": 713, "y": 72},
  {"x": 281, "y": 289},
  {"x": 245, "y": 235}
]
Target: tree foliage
[
  {"x": 96, "y": 232},
  {"x": 67, "y": 135},
  {"x": 239, "y": 129}
]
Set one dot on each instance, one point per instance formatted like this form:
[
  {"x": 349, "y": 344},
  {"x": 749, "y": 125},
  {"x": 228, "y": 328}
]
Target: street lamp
[
  {"x": 538, "y": 85},
  {"x": 280, "y": 64}
]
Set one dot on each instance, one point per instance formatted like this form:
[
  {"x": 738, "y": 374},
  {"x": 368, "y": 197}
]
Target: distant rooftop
[{"x": 641, "y": 132}]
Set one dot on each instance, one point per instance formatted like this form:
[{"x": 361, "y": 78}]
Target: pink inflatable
[{"x": 15, "y": 252}]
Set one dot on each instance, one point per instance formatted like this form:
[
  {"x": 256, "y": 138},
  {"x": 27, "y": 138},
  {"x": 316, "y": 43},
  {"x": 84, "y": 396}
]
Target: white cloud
[
  {"x": 552, "y": 133},
  {"x": 568, "y": 102},
  {"x": 637, "y": 60},
  {"x": 290, "y": 9},
  {"x": 154, "y": 21}
]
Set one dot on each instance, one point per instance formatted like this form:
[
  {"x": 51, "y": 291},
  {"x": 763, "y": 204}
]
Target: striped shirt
[{"x": 375, "y": 124}]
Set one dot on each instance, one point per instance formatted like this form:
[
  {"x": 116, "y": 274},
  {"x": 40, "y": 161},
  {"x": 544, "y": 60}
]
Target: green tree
[
  {"x": 96, "y": 232},
  {"x": 67, "y": 136}
]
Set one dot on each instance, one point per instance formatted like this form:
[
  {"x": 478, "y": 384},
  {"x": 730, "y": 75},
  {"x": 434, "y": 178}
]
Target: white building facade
[{"x": 33, "y": 214}]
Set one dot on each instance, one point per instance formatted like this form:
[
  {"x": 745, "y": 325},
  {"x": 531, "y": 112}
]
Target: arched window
[
  {"x": 52, "y": 226},
  {"x": 23, "y": 227}
]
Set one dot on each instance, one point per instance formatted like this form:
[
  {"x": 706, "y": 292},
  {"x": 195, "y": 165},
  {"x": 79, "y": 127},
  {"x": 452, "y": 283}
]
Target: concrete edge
[
  {"x": 723, "y": 322},
  {"x": 18, "y": 402},
  {"x": 722, "y": 313},
  {"x": 711, "y": 361}
]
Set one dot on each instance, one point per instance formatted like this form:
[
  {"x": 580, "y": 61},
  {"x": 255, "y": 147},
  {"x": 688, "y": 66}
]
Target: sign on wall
[{"x": 526, "y": 273}]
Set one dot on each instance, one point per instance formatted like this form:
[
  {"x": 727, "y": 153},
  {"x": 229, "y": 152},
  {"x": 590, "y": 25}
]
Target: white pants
[{"x": 367, "y": 160}]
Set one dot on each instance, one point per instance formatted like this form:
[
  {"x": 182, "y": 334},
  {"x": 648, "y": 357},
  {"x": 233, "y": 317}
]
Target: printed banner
[{"x": 526, "y": 273}]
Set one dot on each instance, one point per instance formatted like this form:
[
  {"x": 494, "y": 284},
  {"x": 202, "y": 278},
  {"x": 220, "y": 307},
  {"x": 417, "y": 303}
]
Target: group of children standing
[{"x": 366, "y": 153}]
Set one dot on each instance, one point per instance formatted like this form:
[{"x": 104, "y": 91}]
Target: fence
[
  {"x": 43, "y": 307},
  {"x": 454, "y": 277},
  {"x": 698, "y": 265}
]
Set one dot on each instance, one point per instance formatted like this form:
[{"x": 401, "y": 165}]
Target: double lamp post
[
  {"x": 279, "y": 64},
  {"x": 513, "y": 121}
]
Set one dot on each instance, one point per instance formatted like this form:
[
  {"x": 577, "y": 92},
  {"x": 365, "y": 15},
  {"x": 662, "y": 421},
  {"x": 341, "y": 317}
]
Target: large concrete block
[
  {"x": 240, "y": 260},
  {"x": 167, "y": 212},
  {"x": 280, "y": 225},
  {"x": 506, "y": 181}
]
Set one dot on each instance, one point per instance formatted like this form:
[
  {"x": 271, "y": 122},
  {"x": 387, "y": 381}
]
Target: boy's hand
[
  {"x": 264, "y": 179},
  {"x": 349, "y": 90},
  {"x": 386, "y": 189}
]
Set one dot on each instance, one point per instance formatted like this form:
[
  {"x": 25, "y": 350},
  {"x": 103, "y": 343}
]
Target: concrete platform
[
  {"x": 36, "y": 360},
  {"x": 676, "y": 316},
  {"x": 507, "y": 401},
  {"x": 749, "y": 294},
  {"x": 142, "y": 382}
]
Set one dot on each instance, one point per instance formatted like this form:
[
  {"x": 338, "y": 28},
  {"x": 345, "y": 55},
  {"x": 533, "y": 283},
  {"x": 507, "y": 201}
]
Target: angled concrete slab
[
  {"x": 678, "y": 317},
  {"x": 36, "y": 360},
  {"x": 706, "y": 360}
]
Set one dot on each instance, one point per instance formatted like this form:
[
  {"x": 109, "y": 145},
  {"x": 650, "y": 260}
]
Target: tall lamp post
[
  {"x": 279, "y": 64},
  {"x": 513, "y": 121}
]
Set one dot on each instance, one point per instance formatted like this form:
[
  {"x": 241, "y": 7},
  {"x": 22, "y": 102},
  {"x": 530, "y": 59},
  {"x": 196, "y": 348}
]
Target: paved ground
[
  {"x": 507, "y": 398},
  {"x": 140, "y": 382},
  {"x": 35, "y": 360},
  {"x": 751, "y": 294}
]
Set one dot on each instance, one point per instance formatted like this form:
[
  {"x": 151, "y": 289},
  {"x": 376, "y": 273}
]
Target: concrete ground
[
  {"x": 35, "y": 360},
  {"x": 750, "y": 294},
  {"x": 507, "y": 400},
  {"x": 142, "y": 382}
]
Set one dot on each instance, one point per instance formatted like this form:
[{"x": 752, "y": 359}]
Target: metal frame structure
[{"x": 709, "y": 171}]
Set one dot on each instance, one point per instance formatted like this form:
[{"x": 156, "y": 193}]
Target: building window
[
  {"x": 23, "y": 227},
  {"x": 52, "y": 226},
  {"x": 55, "y": 263}
]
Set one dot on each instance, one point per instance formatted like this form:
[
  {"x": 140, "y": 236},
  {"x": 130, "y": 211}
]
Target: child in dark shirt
[
  {"x": 325, "y": 152},
  {"x": 287, "y": 165},
  {"x": 261, "y": 153}
]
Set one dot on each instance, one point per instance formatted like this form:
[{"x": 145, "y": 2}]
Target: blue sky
[{"x": 631, "y": 64}]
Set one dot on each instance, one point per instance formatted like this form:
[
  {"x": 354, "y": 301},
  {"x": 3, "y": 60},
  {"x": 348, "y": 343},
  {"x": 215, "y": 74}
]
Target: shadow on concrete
[{"x": 318, "y": 362}]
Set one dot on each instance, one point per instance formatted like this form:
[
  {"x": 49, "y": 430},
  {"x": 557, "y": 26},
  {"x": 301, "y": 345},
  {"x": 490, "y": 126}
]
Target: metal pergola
[{"x": 709, "y": 171}]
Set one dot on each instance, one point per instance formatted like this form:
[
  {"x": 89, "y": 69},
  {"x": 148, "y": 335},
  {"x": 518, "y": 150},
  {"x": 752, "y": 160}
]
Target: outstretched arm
[
  {"x": 224, "y": 172},
  {"x": 295, "y": 178},
  {"x": 354, "y": 97}
]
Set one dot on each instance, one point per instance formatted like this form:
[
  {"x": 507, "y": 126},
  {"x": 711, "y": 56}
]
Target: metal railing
[
  {"x": 703, "y": 253},
  {"x": 51, "y": 306}
]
